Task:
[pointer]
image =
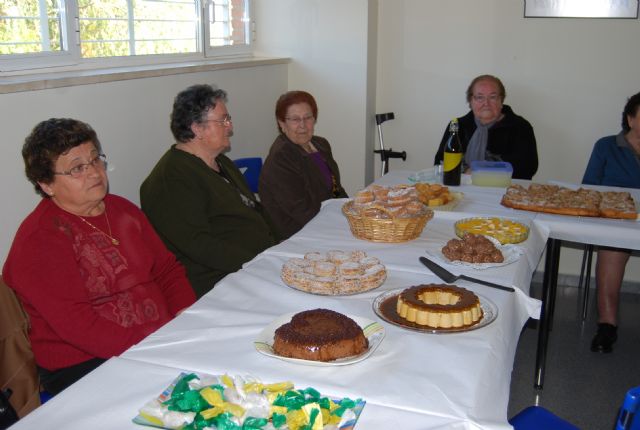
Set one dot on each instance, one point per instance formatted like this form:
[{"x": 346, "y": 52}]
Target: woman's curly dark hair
[
  {"x": 47, "y": 141},
  {"x": 630, "y": 109},
  {"x": 191, "y": 105}
]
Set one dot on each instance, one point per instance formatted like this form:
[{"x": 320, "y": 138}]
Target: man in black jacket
[{"x": 492, "y": 131}]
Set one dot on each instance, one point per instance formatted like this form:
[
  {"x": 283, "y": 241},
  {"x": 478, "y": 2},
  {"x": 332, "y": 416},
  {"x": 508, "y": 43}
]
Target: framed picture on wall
[{"x": 581, "y": 8}]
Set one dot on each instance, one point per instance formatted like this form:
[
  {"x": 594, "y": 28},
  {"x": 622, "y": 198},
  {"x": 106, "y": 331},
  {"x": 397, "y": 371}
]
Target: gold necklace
[{"x": 113, "y": 239}]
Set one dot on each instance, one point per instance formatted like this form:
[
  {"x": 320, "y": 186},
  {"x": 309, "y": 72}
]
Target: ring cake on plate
[
  {"x": 334, "y": 272},
  {"x": 439, "y": 306},
  {"x": 319, "y": 335}
]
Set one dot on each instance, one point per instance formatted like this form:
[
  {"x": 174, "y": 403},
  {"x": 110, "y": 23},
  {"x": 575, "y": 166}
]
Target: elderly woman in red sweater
[{"x": 87, "y": 266}]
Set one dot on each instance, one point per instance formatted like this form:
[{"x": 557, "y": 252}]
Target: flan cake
[{"x": 439, "y": 306}]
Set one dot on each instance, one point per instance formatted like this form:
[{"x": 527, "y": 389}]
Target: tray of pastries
[{"x": 334, "y": 273}]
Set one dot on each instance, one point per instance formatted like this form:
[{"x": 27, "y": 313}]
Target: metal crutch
[{"x": 386, "y": 154}]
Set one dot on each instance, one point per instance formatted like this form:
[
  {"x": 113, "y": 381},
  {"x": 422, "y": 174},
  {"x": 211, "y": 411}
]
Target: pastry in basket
[
  {"x": 399, "y": 201},
  {"x": 320, "y": 335},
  {"x": 433, "y": 194},
  {"x": 472, "y": 248},
  {"x": 439, "y": 306},
  {"x": 394, "y": 215},
  {"x": 334, "y": 273}
]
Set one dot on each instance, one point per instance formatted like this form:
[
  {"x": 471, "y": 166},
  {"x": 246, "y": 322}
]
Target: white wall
[
  {"x": 569, "y": 77},
  {"x": 327, "y": 41},
  {"x": 132, "y": 121}
]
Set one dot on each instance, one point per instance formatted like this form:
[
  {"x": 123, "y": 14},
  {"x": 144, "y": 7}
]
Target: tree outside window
[{"x": 123, "y": 28}]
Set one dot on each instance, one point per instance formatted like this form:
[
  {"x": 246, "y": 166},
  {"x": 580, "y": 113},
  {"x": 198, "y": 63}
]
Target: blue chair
[
  {"x": 629, "y": 416},
  {"x": 537, "y": 417},
  {"x": 45, "y": 396},
  {"x": 250, "y": 168}
]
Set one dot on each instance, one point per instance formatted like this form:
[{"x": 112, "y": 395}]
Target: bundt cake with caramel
[
  {"x": 439, "y": 306},
  {"x": 319, "y": 335}
]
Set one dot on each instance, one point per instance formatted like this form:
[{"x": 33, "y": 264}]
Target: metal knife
[{"x": 450, "y": 278}]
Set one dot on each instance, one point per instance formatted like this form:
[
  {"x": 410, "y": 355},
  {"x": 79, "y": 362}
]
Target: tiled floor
[{"x": 580, "y": 386}]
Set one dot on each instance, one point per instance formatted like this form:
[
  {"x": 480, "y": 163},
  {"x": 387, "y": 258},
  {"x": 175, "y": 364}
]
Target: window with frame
[{"x": 44, "y": 33}]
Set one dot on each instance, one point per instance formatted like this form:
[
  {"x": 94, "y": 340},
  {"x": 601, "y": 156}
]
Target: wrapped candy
[{"x": 225, "y": 403}]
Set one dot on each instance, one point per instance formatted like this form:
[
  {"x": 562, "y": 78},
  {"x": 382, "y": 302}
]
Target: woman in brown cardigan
[{"x": 299, "y": 172}]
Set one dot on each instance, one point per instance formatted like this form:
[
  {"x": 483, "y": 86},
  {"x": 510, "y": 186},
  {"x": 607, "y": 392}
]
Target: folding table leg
[
  {"x": 585, "y": 293},
  {"x": 549, "y": 287}
]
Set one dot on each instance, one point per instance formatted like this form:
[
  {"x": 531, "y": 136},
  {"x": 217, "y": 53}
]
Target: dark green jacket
[{"x": 202, "y": 218}]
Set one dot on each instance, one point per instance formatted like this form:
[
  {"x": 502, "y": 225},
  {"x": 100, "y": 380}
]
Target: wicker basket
[{"x": 391, "y": 230}]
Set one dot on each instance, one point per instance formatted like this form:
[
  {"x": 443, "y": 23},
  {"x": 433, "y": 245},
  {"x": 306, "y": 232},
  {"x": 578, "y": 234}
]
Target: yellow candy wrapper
[{"x": 201, "y": 401}]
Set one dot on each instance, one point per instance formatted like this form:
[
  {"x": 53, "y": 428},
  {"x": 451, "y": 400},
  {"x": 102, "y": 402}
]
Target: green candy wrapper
[
  {"x": 254, "y": 423},
  {"x": 180, "y": 397},
  {"x": 278, "y": 420}
]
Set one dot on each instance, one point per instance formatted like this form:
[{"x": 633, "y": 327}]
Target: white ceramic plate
[
  {"x": 511, "y": 253},
  {"x": 373, "y": 331},
  {"x": 489, "y": 310}
]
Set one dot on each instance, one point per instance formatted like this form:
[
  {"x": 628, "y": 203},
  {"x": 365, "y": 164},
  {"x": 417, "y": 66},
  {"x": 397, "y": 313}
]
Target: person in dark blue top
[{"x": 615, "y": 161}]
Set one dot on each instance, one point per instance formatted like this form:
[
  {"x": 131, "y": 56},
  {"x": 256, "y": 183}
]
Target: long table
[
  {"x": 412, "y": 380},
  {"x": 108, "y": 398},
  {"x": 585, "y": 230}
]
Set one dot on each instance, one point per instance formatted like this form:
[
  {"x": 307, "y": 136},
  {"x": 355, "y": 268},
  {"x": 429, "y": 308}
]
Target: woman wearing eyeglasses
[
  {"x": 198, "y": 200},
  {"x": 87, "y": 266},
  {"x": 299, "y": 172},
  {"x": 492, "y": 131}
]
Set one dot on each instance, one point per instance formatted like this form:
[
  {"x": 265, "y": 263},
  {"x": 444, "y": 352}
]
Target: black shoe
[{"x": 605, "y": 337}]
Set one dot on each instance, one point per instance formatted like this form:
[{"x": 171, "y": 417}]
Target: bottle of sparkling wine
[{"x": 452, "y": 169}]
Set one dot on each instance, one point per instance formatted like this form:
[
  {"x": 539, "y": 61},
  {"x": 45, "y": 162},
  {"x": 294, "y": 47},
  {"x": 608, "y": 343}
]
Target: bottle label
[{"x": 451, "y": 161}]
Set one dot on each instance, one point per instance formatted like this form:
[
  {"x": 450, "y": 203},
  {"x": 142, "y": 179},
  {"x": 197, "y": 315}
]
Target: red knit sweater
[{"x": 86, "y": 297}]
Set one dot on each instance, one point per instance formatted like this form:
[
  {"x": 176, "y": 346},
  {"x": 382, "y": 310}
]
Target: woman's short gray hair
[{"x": 191, "y": 105}]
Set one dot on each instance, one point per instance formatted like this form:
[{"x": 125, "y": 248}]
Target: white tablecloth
[
  {"x": 412, "y": 381},
  {"x": 462, "y": 377},
  {"x": 330, "y": 230},
  {"x": 109, "y": 398},
  {"x": 459, "y": 376}
]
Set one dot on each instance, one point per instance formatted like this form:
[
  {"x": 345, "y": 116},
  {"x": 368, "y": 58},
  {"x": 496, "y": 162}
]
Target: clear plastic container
[{"x": 491, "y": 173}]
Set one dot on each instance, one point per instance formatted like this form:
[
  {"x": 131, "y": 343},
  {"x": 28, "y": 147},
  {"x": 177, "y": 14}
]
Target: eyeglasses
[
  {"x": 296, "y": 120},
  {"x": 491, "y": 99},
  {"x": 99, "y": 162},
  {"x": 226, "y": 121}
]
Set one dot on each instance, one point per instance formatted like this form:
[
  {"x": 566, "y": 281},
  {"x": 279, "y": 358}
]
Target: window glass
[
  {"x": 228, "y": 24},
  {"x": 42, "y": 33},
  {"x": 137, "y": 27},
  {"x": 30, "y": 26}
]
